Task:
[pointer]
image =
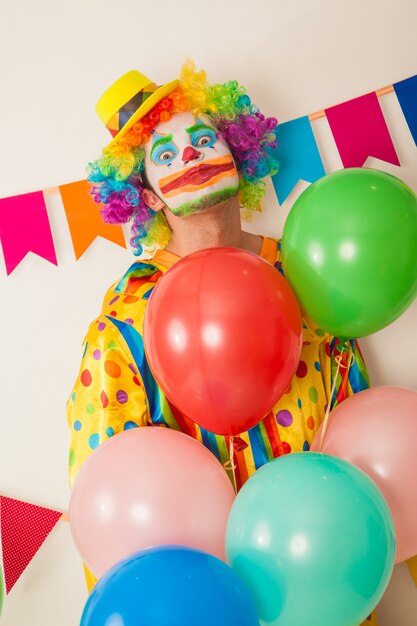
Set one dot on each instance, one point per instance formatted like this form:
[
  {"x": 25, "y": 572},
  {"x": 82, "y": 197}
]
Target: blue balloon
[
  {"x": 313, "y": 538},
  {"x": 170, "y": 586}
]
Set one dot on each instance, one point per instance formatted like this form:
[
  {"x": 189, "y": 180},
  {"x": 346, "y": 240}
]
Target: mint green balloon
[
  {"x": 313, "y": 538},
  {"x": 349, "y": 251}
]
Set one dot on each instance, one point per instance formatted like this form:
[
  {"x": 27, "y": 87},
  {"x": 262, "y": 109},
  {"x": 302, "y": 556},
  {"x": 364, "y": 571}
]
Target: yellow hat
[{"x": 129, "y": 99}]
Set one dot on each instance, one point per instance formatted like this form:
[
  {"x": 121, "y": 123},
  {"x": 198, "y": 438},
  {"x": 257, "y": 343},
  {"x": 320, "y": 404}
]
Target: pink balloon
[
  {"x": 149, "y": 487},
  {"x": 376, "y": 430}
]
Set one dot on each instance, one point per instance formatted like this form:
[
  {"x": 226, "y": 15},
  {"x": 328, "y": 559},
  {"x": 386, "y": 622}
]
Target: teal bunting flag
[{"x": 298, "y": 156}]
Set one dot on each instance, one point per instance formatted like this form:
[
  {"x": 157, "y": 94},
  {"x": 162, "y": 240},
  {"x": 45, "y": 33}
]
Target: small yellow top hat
[{"x": 129, "y": 99}]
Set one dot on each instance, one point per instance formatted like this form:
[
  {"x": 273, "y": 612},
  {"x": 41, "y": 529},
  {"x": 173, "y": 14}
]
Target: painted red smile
[{"x": 198, "y": 176}]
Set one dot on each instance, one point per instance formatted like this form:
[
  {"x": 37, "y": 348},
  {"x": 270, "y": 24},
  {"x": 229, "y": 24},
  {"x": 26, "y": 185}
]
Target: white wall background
[{"x": 56, "y": 58}]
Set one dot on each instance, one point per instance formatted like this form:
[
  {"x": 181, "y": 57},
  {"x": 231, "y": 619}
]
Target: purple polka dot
[
  {"x": 97, "y": 355},
  {"x": 129, "y": 320},
  {"x": 133, "y": 368},
  {"x": 113, "y": 300},
  {"x": 121, "y": 396},
  {"x": 284, "y": 418},
  {"x": 101, "y": 326}
]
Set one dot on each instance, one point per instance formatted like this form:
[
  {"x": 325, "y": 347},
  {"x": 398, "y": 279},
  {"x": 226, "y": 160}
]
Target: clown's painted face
[{"x": 187, "y": 166}]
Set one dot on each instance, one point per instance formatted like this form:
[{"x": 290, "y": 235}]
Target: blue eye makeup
[
  {"x": 203, "y": 138},
  {"x": 164, "y": 151}
]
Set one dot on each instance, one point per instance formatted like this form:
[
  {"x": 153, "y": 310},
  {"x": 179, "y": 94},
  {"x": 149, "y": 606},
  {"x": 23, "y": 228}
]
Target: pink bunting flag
[
  {"x": 24, "y": 528},
  {"x": 360, "y": 131},
  {"x": 24, "y": 227}
]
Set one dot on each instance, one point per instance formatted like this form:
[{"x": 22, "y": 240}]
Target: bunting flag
[
  {"x": 298, "y": 156},
  {"x": 24, "y": 528},
  {"x": 84, "y": 220},
  {"x": 24, "y": 227},
  {"x": 360, "y": 131},
  {"x": 412, "y": 567},
  {"x": 406, "y": 92}
]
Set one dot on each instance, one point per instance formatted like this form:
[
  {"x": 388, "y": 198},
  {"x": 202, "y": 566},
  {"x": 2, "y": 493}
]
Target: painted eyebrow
[
  {"x": 161, "y": 141},
  {"x": 196, "y": 127}
]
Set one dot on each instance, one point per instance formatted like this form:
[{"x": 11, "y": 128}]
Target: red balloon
[{"x": 223, "y": 336}]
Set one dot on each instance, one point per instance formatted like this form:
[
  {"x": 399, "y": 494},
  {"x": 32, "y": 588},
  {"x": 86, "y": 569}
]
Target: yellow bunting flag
[
  {"x": 412, "y": 566},
  {"x": 89, "y": 579},
  {"x": 84, "y": 219}
]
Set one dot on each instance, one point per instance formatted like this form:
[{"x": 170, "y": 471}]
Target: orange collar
[{"x": 165, "y": 259}]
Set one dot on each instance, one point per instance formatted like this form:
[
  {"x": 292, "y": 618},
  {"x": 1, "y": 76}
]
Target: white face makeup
[{"x": 187, "y": 166}]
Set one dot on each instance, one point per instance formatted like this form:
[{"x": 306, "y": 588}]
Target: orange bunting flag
[
  {"x": 84, "y": 219},
  {"x": 24, "y": 528}
]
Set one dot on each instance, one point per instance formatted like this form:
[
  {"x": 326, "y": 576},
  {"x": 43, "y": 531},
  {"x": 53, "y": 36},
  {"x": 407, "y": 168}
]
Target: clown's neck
[{"x": 216, "y": 227}]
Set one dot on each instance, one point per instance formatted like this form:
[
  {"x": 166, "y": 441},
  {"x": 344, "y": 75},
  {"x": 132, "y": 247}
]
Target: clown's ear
[{"x": 152, "y": 200}]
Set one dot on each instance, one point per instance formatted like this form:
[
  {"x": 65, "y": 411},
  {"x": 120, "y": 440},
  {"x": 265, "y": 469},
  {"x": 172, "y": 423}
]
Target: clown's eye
[
  {"x": 164, "y": 154},
  {"x": 203, "y": 141},
  {"x": 204, "y": 138}
]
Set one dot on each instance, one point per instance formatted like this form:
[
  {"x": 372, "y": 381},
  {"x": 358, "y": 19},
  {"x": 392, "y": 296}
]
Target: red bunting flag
[
  {"x": 24, "y": 528},
  {"x": 84, "y": 219},
  {"x": 360, "y": 131},
  {"x": 24, "y": 227}
]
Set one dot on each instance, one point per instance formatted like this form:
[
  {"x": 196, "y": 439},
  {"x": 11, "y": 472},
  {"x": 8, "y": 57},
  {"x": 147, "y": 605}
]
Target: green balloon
[
  {"x": 349, "y": 251},
  {"x": 313, "y": 539}
]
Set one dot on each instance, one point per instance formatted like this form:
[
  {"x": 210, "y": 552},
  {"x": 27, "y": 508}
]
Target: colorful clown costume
[{"x": 115, "y": 389}]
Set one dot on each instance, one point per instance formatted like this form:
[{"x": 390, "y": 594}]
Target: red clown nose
[{"x": 190, "y": 154}]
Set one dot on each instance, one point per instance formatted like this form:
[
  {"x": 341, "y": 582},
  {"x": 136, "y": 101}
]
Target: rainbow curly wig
[{"x": 117, "y": 177}]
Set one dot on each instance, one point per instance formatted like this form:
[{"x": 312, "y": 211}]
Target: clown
[{"x": 185, "y": 162}]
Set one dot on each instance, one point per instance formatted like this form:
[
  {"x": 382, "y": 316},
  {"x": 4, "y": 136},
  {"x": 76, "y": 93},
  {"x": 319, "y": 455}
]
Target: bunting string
[{"x": 358, "y": 128}]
